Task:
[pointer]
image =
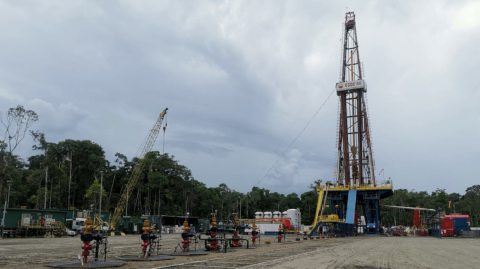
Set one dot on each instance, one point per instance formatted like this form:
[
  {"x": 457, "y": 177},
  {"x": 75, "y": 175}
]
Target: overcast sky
[{"x": 241, "y": 79}]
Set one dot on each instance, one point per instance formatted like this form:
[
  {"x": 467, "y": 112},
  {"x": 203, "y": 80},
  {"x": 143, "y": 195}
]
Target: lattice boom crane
[{"x": 137, "y": 171}]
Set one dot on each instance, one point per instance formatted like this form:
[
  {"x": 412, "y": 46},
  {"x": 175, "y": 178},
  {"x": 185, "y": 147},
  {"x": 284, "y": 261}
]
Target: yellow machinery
[
  {"x": 137, "y": 171},
  {"x": 322, "y": 199},
  {"x": 321, "y": 204}
]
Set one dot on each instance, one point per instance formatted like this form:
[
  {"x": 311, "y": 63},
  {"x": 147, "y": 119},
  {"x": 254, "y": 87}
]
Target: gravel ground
[
  {"x": 390, "y": 252},
  {"x": 348, "y": 253}
]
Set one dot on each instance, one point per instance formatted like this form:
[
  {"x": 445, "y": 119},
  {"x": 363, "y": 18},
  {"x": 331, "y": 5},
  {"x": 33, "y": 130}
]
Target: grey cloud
[{"x": 240, "y": 77}]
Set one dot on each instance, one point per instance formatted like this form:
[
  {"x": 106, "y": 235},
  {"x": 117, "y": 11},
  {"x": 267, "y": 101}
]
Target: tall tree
[
  {"x": 17, "y": 123},
  {"x": 43, "y": 145}
]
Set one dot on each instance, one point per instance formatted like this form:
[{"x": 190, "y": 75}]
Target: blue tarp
[{"x": 352, "y": 200}]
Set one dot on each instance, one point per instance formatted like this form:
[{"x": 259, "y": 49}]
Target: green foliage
[
  {"x": 467, "y": 204},
  {"x": 165, "y": 186},
  {"x": 94, "y": 190}
]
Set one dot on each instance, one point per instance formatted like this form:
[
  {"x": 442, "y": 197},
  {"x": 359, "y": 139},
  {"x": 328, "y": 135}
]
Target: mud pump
[
  {"x": 185, "y": 242},
  {"x": 149, "y": 239},
  {"x": 254, "y": 233},
  {"x": 280, "y": 233},
  {"x": 87, "y": 237}
]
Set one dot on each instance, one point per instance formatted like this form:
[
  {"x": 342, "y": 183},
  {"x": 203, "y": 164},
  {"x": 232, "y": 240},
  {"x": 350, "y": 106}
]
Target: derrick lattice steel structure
[
  {"x": 355, "y": 164},
  {"x": 351, "y": 204}
]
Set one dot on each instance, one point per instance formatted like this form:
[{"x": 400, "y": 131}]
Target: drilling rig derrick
[
  {"x": 352, "y": 203},
  {"x": 355, "y": 161}
]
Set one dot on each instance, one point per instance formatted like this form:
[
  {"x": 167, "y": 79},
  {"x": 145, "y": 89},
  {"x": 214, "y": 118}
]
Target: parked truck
[{"x": 75, "y": 226}]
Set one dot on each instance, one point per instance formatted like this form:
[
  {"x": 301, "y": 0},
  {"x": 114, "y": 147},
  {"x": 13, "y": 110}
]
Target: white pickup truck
[{"x": 75, "y": 226}]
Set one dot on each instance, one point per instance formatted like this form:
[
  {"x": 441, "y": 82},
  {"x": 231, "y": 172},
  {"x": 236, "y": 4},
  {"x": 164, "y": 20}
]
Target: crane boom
[{"x": 137, "y": 170}]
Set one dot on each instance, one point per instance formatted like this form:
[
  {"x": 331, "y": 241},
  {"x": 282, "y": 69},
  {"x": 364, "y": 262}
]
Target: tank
[
  {"x": 267, "y": 215},
  {"x": 259, "y": 215},
  {"x": 284, "y": 214},
  {"x": 295, "y": 218},
  {"x": 277, "y": 214}
]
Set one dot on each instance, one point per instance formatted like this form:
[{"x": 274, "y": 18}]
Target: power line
[
  {"x": 296, "y": 117},
  {"x": 308, "y": 123}
]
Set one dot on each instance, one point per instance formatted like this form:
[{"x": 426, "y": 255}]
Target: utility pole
[
  {"x": 101, "y": 194},
  {"x": 246, "y": 196},
  {"x": 46, "y": 181},
  {"x": 70, "y": 180},
  {"x": 8, "y": 195}
]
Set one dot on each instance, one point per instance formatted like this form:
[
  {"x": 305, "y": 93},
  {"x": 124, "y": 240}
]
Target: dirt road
[{"x": 347, "y": 253}]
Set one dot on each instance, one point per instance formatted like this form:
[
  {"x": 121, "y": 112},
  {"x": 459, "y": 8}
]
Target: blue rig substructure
[{"x": 340, "y": 207}]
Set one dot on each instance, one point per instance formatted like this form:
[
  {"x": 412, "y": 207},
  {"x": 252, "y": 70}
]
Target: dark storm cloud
[{"x": 242, "y": 78}]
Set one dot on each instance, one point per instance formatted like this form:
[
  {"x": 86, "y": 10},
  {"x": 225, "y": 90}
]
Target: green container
[
  {"x": 106, "y": 216},
  {"x": 14, "y": 215},
  {"x": 127, "y": 224},
  {"x": 72, "y": 214}
]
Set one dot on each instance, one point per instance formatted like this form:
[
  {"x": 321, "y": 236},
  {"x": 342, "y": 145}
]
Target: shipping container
[
  {"x": 458, "y": 216},
  {"x": 460, "y": 224},
  {"x": 13, "y": 216},
  {"x": 33, "y": 222},
  {"x": 447, "y": 227}
]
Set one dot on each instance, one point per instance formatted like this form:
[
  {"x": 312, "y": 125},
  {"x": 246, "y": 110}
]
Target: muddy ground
[{"x": 348, "y": 253}]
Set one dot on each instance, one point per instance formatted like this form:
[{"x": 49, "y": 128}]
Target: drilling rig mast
[
  {"x": 352, "y": 203},
  {"x": 355, "y": 162},
  {"x": 137, "y": 170}
]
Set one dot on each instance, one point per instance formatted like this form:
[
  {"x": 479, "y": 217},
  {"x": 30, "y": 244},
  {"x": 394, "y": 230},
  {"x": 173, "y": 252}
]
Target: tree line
[{"x": 68, "y": 174}]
